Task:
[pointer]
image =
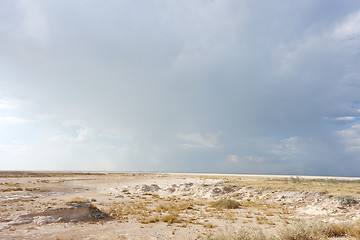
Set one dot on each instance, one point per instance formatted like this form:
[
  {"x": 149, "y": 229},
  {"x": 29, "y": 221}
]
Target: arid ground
[{"x": 60, "y": 205}]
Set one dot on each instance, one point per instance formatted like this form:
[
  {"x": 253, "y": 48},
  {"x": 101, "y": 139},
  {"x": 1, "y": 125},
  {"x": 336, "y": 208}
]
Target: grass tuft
[
  {"x": 297, "y": 230},
  {"x": 226, "y": 203},
  {"x": 171, "y": 218}
]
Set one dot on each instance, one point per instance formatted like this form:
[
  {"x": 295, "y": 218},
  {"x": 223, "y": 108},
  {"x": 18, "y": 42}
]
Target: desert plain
[{"x": 104, "y": 205}]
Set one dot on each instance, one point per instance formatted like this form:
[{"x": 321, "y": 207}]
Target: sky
[{"x": 259, "y": 87}]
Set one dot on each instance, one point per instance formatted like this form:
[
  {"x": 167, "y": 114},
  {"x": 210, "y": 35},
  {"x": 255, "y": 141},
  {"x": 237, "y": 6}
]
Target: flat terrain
[{"x": 60, "y": 205}]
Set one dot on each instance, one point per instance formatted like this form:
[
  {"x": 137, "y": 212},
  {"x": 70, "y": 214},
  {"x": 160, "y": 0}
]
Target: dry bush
[
  {"x": 297, "y": 230},
  {"x": 225, "y": 203},
  {"x": 300, "y": 230},
  {"x": 146, "y": 211},
  {"x": 241, "y": 234},
  {"x": 174, "y": 207},
  {"x": 343, "y": 229},
  {"x": 123, "y": 209},
  {"x": 162, "y": 208},
  {"x": 171, "y": 218},
  {"x": 338, "y": 230},
  {"x": 348, "y": 201},
  {"x": 151, "y": 219}
]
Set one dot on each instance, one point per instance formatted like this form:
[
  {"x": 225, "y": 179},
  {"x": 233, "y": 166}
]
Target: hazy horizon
[{"x": 228, "y": 86}]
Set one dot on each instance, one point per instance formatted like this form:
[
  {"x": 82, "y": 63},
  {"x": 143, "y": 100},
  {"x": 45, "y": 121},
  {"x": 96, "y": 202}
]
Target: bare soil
[{"x": 54, "y": 205}]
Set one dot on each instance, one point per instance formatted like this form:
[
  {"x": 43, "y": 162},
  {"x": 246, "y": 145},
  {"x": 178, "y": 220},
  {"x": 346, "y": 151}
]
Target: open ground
[{"x": 79, "y": 205}]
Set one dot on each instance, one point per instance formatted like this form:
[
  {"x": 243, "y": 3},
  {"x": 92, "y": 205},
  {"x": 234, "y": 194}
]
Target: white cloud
[
  {"x": 350, "y": 28},
  {"x": 348, "y": 118},
  {"x": 196, "y": 140},
  {"x": 351, "y": 138},
  {"x": 82, "y": 135},
  {"x": 12, "y": 103},
  {"x": 14, "y": 120},
  {"x": 233, "y": 158}
]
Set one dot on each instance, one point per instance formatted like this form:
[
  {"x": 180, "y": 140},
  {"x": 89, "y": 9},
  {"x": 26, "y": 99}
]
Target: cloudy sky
[{"x": 267, "y": 87}]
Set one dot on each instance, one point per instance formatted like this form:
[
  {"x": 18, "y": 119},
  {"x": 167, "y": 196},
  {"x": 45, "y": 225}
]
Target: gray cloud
[{"x": 166, "y": 78}]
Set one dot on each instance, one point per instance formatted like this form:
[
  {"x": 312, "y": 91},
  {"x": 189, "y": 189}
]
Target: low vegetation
[
  {"x": 297, "y": 230},
  {"x": 226, "y": 203},
  {"x": 348, "y": 201},
  {"x": 13, "y": 189},
  {"x": 330, "y": 187},
  {"x": 268, "y": 203},
  {"x": 77, "y": 200}
]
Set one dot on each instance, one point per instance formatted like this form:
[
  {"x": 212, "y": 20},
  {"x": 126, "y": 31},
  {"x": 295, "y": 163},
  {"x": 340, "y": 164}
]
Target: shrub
[
  {"x": 226, "y": 203},
  {"x": 348, "y": 201},
  {"x": 241, "y": 234},
  {"x": 171, "y": 218},
  {"x": 300, "y": 230}
]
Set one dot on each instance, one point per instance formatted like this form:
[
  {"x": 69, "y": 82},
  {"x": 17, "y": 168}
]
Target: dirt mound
[{"x": 73, "y": 212}]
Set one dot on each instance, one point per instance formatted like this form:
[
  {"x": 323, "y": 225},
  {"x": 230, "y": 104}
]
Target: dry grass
[
  {"x": 170, "y": 210},
  {"x": 300, "y": 230},
  {"x": 262, "y": 202},
  {"x": 324, "y": 186},
  {"x": 10, "y": 184},
  {"x": 241, "y": 234},
  {"x": 36, "y": 190},
  {"x": 225, "y": 203},
  {"x": 342, "y": 229},
  {"x": 14, "y": 189},
  {"x": 229, "y": 215},
  {"x": 171, "y": 218},
  {"x": 297, "y": 230},
  {"x": 77, "y": 200},
  {"x": 123, "y": 209},
  {"x": 152, "y": 219}
]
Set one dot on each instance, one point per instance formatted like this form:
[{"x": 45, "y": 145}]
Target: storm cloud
[{"x": 192, "y": 86}]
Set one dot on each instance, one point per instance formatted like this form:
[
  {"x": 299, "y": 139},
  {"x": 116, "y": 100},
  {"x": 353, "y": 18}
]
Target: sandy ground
[{"x": 151, "y": 206}]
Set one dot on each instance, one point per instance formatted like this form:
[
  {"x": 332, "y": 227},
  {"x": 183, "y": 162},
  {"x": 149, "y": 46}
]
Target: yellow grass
[
  {"x": 77, "y": 200},
  {"x": 325, "y": 186}
]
